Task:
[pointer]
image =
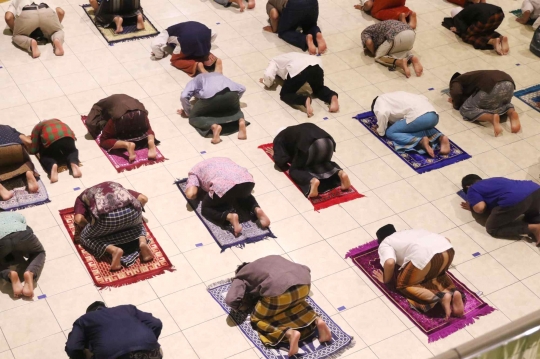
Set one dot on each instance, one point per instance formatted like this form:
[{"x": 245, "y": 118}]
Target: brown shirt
[
  {"x": 469, "y": 83},
  {"x": 275, "y": 4},
  {"x": 266, "y": 277},
  {"x": 112, "y": 107}
]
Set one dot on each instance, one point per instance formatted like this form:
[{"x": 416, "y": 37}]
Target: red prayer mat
[
  {"x": 99, "y": 269},
  {"x": 326, "y": 199}
]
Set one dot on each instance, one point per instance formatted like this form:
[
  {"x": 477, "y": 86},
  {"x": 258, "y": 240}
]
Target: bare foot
[
  {"x": 345, "y": 181},
  {"x": 251, "y": 4},
  {"x": 403, "y": 63},
  {"x": 241, "y": 5},
  {"x": 497, "y": 128},
  {"x": 309, "y": 109},
  {"x": 58, "y": 47},
  {"x": 445, "y": 302},
  {"x": 294, "y": 338},
  {"x": 131, "y": 152},
  {"x": 35, "y": 49},
  {"x": 28, "y": 289},
  {"x": 262, "y": 217},
  {"x": 515, "y": 125},
  {"x": 418, "y": 68},
  {"x": 424, "y": 142},
  {"x": 33, "y": 186},
  {"x": 200, "y": 68},
  {"x": 140, "y": 22},
  {"x": 334, "y": 104},
  {"x": 402, "y": 18},
  {"x": 524, "y": 17},
  {"x": 268, "y": 28},
  {"x": 5, "y": 194},
  {"x": 235, "y": 222},
  {"x": 115, "y": 262},
  {"x": 242, "y": 132},
  {"x": 54, "y": 173},
  {"x": 118, "y": 21},
  {"x": 497, "y": 45},
  {"x": 311, "y": 46},
  {"x": 16, "y": 284},
  {"x": 412, "y": 20},
  {"x": 321, "y": 42},
  {"x": 76, "y": 170},
  {"x": 314, "y": 188},
  {"x": 152, "y": 151},
  {"x": 325, "y": 335},
  {"x": 219, "y": 66},
  {"x": 146, "y": 253},
  {"x": 445, "y": 145},
  {"x": 457, "y": 304},
  {"x": 216, "y": 129},
  {"x": 505, "y": 45},
  {"x": 535, "y": 231}
]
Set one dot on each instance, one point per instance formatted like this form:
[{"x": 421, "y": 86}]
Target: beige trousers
[
  {"x": 399, "y": 48},
  {"x": 29, "y": 20}
]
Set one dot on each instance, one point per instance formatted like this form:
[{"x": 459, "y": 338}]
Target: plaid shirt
[{"x": 47, "y": 132}]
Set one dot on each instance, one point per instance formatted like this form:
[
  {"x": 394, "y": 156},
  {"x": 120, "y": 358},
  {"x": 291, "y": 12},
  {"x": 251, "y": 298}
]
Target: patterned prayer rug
[
  {"x": 518, "y": 13},
  {"x": 531, "y": 96},
  {"x": 326, "y": 199},
  {"x": 130, "y": 31},
  {"x": 309, "y": 348},
  {"x": 432, "y": 323},
  {"x": 21, "y": 198},
  {"x": 100, "y": 269},
  {"x": 120, "y": 158},
  {"x": 224, "y": 237},
  {"x": 419, "y": 163}
]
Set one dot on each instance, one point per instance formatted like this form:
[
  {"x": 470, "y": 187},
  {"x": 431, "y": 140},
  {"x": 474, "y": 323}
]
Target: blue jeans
[
  {"x": 406, "y": 136},
  {"x": 303, "y": 14}
]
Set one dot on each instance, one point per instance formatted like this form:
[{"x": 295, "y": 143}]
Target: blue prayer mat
[{"x": 530, "y": 95}]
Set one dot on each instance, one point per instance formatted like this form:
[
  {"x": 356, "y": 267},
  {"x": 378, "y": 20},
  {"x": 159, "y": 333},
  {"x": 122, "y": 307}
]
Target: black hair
[
  {"x": 384, "y": 232},
  {"x": 454, "y": 76},
  {"x": 469, "y": 180},
  {"x": 373, "y": 103},
  {"x": 95, "y": 306},
  {"x": 240, "y": 267}
]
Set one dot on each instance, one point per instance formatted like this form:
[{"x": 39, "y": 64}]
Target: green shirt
[{"x": 11, "y": 222}]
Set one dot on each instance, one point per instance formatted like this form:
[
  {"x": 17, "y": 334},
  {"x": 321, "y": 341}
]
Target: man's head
[
  {"x": 384, "y": 232},
  {"x": 469, "y": 180},
  {"x": 367, "y": 5},
  {"x": 96, "y": 306},
  {"x": 373, "y": 103}
]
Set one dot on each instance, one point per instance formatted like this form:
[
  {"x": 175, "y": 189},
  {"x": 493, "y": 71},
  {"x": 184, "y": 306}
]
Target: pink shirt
[{"x": 217, "y": 175}]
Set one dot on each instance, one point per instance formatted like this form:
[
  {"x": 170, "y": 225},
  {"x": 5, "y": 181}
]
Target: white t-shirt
[
  {"x": 394, "y": 106},
  {"x": 291, "y": 63},
  {"x": 413, "y": 245}
]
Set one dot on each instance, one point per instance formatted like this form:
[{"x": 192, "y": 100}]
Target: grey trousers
[
  {"x": 29, "y": 20},
  {"x": 503, "y": 221},
  {"x": 22, "y": 244}
]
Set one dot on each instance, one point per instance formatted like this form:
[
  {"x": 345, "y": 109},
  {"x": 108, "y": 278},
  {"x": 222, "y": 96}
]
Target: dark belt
[{"x": 35, "y": 7}]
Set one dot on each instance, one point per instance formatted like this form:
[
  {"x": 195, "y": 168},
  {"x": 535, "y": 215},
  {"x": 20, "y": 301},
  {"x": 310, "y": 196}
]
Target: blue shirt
[
  {"x": 112, "y": 332},
  {"x": 11, "y": 222},
  {"x": 500, "y": 192},
  {"x": 205, "y": 86}
]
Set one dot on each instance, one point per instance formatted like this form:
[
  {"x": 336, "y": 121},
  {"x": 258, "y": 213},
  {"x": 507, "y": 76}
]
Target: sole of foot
[
  {"x": 118, "y": 21},
  {"x": 309, "y": 109},
  {"x": 424, "y": 142},
  {"x": 412, "y": 20},
  {"x": 242, "y": 132},
  {"x": 152, "y": 152},
  {"x": 457, "y": 304},
  {"x": 216, "y": 131},
  {"x": 263, "y": 218},
  {"x": 498, "y": 46},
  {"x": 311, "y": 45},
  {"x": 35, "y": 49},
  {"x": 445, "y": 145},
  {"x": 115, "y": 261},
  {"x": 16, "y": 284},
  {"x": 140, "y": 23},
  {"x": 5, "y": 194},
  {"x": 497, "y": 128},
  {"x": 241, "y": 5},
  {"x": 294, "y": 338},
  {"x": 505, "y": 45},
  {"x": 345, "y": 180},
  {"x": 515, "y": 125},
  {"x": 325, "y": 335},
  {"x": 314, "y": 188},
  {"x": 235, "y": 222},
  {"x": 58, "y": 48},
  {"x": 418, "y": 68},
  {"x": 446, "y": 302},
  {"x": 33, "y": 186},
  {"x": 404, "y": 64},
  {"x": 334, "y": 104},
  {"x": 76, "y": 171},
  {"x": 251, "y": 4},
  {"x": 54, "y": 174},
  {"x": 131, "y": 152},
  {"x": 146, "y": 253},
  {"x": 28, "y": 289},
  {"x": 321, "y": 42}
]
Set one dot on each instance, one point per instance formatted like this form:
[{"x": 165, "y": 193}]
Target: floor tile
[
  {"x": 486, "y": 274},
  {"x": 55, "y": 345},
  {"x": 325, "y": 221},
  {"x": 320, "y": 258},
  {"x": 409, "y": 347},
  {"x": 67, "y": 308}
]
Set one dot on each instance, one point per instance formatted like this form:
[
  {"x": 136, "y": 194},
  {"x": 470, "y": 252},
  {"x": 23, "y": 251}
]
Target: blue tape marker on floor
[
  {"x": 518, "y": 64},
  {"x": 203, "y": 152},
  {"x": 476, "y": 254},
  {"x": 325, "y": 118},
  {"x": 76, "y": 188},
  {"x": 42, "y": 296},
  {"x": 431, "y": 89},
  {"x": 318, "y": 54},
  {"x": 218, "y": 23},
  {"x": 198, "y": 245},
  {"x": 341, "y": 308}
]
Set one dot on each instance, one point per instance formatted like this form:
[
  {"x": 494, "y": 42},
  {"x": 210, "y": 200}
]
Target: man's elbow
[
  {"x": 9, "y": 16},
  {"x": 479, "y": 208}
]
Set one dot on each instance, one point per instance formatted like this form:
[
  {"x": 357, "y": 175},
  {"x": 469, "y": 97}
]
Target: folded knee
[
  {"x": 60, "y": 12},
  {"x": 9, "y": 16}
]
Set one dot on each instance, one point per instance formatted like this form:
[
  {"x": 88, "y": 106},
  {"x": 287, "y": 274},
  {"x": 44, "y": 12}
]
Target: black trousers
[
  {"x": 303, "y": 14},
  {"x": 236, "y": 200},
  {"x": 314, "y": 76},
  {"x": 62, "y": 150},
  {"x": 18, "y": 245}
]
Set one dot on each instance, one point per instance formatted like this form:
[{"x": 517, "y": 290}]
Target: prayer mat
[
  {"x": 120, "y": 158},
  {"x": 518, "y": 13},
  {"x": 531, "y": 96},
  {"x": 432, "y": 323},
  {"x": 21, "y": 198},
  {"x": 325, "y": 199},
  {"x": 462, "y": 194},
  {"x": 225, "y": 237},
  {"x": 100, "y": 269},
  {"x": 130, "y": 32},
  {"x": 418, "y": 162},
  {"x": 310, "y": 348}
]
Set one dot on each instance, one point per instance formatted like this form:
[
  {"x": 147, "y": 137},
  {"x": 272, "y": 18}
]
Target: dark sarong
[
  {"x": 14, "y": 161},
  {"x": 126, "y": 9},
  {"x": 480, "y": 33}
]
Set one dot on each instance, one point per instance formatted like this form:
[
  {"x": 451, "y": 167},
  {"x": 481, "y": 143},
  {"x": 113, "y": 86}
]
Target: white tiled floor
[{"x": 507, "y": 272}]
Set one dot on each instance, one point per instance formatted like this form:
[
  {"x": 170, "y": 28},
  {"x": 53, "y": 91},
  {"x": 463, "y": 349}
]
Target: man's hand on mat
[
  {"x": 379, "y": 275},
  {"x": 466, "y": 206},
  {"x": 450, "y": 100},
  {"x": 182, "y": 113},
  {"x": 270, "y": 151}
]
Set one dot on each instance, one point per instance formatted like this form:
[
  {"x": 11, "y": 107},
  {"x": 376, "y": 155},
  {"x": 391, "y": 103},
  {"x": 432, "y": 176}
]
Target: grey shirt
[{"x": 266, "y": 277}]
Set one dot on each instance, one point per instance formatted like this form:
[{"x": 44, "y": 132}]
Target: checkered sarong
[
  {"x": 118, "y": 227},
  {"x": 273, "y": 316},
  {"x": 480, "y": 33}
]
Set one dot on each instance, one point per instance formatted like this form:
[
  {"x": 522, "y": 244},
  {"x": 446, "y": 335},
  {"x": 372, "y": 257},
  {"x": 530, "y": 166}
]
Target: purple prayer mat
[{"x": 432, "y": 323}]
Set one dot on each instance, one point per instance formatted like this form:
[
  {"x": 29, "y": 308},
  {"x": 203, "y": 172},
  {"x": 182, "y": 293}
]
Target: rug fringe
[
  {"x": 340, "y": 352},
  {"x": 364, "y": 247},
  {"x": 219, "y": 283},
  {"x": 460, "y": 323},
  {"x": 27, "y": 206},
  {"x": 132, "y": 280},
  {"x": 134, "y": 166},
  {"x": 338, "y": 200}
]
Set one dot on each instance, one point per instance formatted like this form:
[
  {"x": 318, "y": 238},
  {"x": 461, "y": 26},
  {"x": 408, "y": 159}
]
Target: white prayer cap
[
  {"x": 455, "y": 11},
  {"x": 280, "y": 129}
]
